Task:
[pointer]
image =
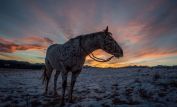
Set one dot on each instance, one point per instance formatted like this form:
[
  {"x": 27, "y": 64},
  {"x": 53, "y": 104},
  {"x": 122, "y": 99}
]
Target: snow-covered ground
[{"x": 135, "y": 87}]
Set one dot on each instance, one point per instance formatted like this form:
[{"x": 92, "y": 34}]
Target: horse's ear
[{"x": 106, "y": 30}]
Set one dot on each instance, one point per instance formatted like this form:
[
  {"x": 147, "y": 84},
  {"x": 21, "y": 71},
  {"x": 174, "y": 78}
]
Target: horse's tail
[{"x": 44, "y": 76}]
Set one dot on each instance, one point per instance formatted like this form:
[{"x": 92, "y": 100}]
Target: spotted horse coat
[{"x": 70, "y": 57}]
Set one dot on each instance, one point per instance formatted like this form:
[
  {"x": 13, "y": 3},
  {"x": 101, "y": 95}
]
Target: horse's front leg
[
  {"x": 73, "y": 80},
  {"x": 64, "y": 84}
]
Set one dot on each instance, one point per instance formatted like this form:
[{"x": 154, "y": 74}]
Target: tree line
[{"x": 19, "y": 64}]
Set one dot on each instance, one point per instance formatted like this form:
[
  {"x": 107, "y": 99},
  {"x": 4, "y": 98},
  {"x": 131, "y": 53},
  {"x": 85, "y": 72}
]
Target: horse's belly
[
  {"x": 74, "y": 64},
  {"x": 70, "y": 64}
]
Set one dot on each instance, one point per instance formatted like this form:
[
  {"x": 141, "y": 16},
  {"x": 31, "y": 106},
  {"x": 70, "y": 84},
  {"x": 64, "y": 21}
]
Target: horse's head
[{"x": 109, "y": 45}]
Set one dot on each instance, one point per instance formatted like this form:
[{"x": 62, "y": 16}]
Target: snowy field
[{"x": 135, "y": 87}]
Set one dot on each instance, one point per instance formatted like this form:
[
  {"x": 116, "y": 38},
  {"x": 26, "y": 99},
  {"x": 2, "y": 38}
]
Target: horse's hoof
[
  {"x": 55, "y": 94},
  {"x": 71, "y": 101},
  {"x": 44, "y": 94},
  {"x": 62, "y": 104}
]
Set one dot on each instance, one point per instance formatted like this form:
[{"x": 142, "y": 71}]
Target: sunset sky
[{"x": 145, "y": 29}]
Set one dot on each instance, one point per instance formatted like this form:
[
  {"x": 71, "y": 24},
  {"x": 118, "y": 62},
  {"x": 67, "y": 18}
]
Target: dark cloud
[{"x": 162, "y": 19}]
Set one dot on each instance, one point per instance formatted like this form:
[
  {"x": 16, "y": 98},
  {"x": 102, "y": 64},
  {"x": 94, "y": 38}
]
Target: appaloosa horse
[{"x": 70, "y": 57}]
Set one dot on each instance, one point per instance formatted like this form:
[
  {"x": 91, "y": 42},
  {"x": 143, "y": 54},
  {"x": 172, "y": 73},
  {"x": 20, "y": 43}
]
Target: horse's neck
[{"x": 90, "y": 44}]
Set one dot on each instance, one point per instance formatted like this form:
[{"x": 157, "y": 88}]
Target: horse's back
[{"x": 52, "y": 48}]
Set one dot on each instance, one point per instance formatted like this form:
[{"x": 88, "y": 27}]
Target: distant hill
[
  {"x": 19, "y": 64},
  {"x": 136, "y": 66}
]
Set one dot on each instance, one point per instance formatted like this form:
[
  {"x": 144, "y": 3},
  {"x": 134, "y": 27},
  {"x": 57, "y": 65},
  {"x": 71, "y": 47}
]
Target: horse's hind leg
[
  {"x": 49, "y": 72},
  {"x": 64, "y": 84},
  {"x": 55, "y": 81},
  {"x": 64, "y": 75},
  {"x": 47, "y": 82}
]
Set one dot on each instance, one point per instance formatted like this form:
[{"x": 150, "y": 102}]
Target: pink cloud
[{"x": 28, "y": 43}]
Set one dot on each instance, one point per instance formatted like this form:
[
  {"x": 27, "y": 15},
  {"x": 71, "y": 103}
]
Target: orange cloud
[
  {"x": 28, "y": 43},
  {"x": 5, "y": 41},
  {"x": 142, "y": 58},
  {"x": 15, "y": 47},
  {"x": 157, "y": 54},
  {"x": 36, "y": 40}
]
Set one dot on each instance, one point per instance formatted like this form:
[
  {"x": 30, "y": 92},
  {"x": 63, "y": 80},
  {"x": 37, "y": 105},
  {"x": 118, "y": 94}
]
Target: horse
[{"x": 70, "y": 57}]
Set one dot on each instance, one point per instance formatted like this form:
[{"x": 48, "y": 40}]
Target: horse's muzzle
[{"x": 119, "y": 54}]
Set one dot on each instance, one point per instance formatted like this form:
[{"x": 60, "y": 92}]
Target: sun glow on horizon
[{"x": 146, "y": 30}]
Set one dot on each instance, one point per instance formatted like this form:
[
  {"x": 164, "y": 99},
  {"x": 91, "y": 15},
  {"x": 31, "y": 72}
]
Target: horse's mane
[{"x": 90, "y": 35}]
